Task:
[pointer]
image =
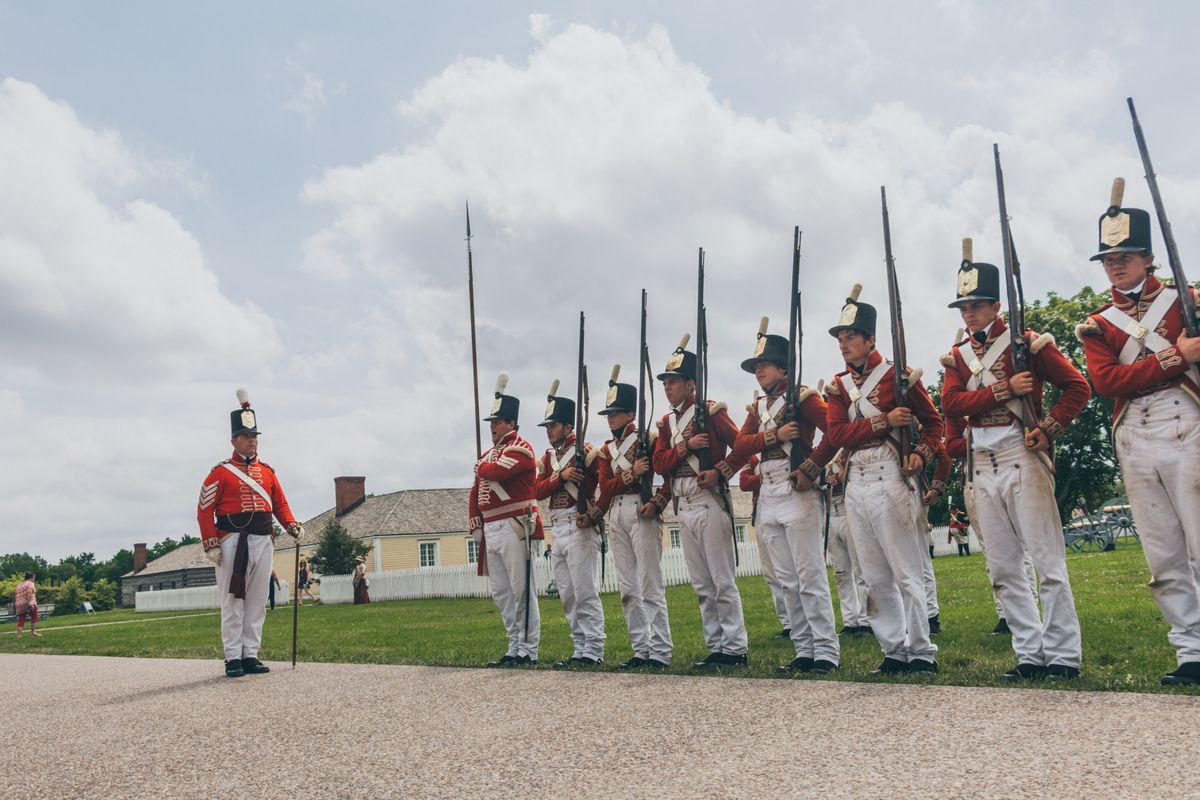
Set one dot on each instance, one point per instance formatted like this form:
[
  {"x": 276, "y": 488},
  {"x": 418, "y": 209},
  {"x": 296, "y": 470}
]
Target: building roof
[
  {"x": 427, "y": 511},
  {"x": 189, "y": 556}
]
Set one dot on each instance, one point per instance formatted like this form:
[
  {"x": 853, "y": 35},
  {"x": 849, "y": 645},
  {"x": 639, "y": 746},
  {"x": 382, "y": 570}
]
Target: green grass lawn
[{"x": 1124, "y": 637}]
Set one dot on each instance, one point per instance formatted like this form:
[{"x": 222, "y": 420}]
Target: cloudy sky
[{"x": 199, "y": 197}]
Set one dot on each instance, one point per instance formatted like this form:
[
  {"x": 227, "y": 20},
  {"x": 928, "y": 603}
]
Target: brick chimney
[
  {"x": 348, "y": 493},
  {"x": 139, "y": 557}
]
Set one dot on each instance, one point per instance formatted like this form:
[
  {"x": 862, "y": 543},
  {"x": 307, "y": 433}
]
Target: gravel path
[{"x": 134, "y": 728}]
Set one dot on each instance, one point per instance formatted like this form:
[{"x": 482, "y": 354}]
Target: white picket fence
[
  {"x": 461, "y": 580},
  {"x": 192, "y": 598}
]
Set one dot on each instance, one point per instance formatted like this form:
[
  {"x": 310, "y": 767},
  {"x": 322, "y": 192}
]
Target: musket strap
[
  {"x": 619, "y": 453},
  {"x": 496, "y": 456},
  {"x": 981, "y": 369},
  {"x": 1142, "y": 333}
]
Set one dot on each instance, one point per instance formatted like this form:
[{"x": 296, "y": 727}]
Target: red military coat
[
  {"x": 749, "y": 480},
  {"x": 549, "y": 484},
  {"x": 671, "y": 458},
  {"x": 985, "y": 406},
  {"x": 841, "y": 432},
  {"x": 751, "y": 440},
  {"x": 503, "y": 488},
  {"x": 617, "y": 481},
  {"x": 224, "y": 494},
  {"x": 1152, "y": 371}
]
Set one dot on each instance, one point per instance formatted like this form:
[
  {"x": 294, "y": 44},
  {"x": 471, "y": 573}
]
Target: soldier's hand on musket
[
  {"x": 583, "y": 521},
  {"x": 296, "y": 531},
  {"x": 698, "y": 442},
  {"x": 707, "y": 479},
  {"x": 1189, "y": 348},
  {"x": 799, "y": 480},
  {"x": 648, "y": 510},
  {"x": 900, "y": 417},
  {"x": 1021, "y": 384},
  {"x": 571, "y": 474},
  {"x": 1037, "y": 439},
  {"x": 787, "y": 432},
  {"x": 929, "y": 498},
  {"x": 641, "y": 467},
  {"x": 914, "y": 465}
]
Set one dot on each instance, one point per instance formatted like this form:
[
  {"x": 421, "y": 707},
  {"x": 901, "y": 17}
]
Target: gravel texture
[{"x": 123, "y": 728}]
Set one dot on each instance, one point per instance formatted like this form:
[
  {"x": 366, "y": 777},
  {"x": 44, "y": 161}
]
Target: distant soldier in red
[
  {"x": 1011, "y": 472},
  {"x": 502, "y": 514},
  {"x": 236, "y": 503},
  {"x": 1139, "y": 353}
]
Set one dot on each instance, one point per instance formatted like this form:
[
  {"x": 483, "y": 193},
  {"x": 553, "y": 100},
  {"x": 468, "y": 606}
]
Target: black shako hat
[
  {"x": 681, "y": 364},
  {"x": 770, "y": 348},
  {"x": 620, "y": 397},
  {"x": 976, "y": 279},
  {"x": 243, "y": 420},
  {"x": 855, "y": 315},
  {"x": 504, "y": 406},
  {"x": 1123, "y": 230},
  {"x": 558, "y": 409}
]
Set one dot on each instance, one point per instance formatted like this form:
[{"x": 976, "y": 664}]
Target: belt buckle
[
  {"x": 976, "y": 366},
  {"x": 1137, "y": 330}
]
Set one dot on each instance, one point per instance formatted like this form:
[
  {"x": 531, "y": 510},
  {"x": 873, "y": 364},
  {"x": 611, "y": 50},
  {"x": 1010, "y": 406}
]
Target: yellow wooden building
[{"x": 419, "y": 528}]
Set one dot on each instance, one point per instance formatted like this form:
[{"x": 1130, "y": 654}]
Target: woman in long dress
[{"x": 360, "y": 581}]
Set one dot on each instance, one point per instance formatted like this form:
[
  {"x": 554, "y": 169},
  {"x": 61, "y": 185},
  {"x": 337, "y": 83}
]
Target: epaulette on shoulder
[
  {"x": 715, "y": 407},
  {"x": 834, "y": 386},
  {"x": 1087, "y": 328},
  {"x": 521, "y": 447},
  {"x": 220, "y": 464},
  {"x": 806, "y": 393},
  {"x": 591, "y": 456},
  {"x": 653, "y": 437},
  {"x": 915, "y": 374},
  {"x": 947, "y": 359},
  {"x": 662, "y": 424},
  {"x": 268, "y": 466},
  {"x": 752, "y": 406},
  {"x": 1040, "y": 340}
]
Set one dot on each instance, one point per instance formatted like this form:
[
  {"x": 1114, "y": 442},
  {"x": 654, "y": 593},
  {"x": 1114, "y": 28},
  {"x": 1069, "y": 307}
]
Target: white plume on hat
[
  {"x": 243, "y": 398},
  {"x": 501, "y": 383}
]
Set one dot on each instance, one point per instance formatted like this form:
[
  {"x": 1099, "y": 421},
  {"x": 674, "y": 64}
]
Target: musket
[
  {"x": 474, "y": 353},
  {"x": 1182, "y": 287},
  {"x": 795, "y": 339},
  {"x": 295, "y": 602},
  {"x": 582, "y": 402},
  {"x": 700, "y": 420},
  {"x": 528, "y": 525},
  {"x": 907, "y": 434},
  {"x": 646, "y": 482},
  {"x": 1018, "y": 344}
]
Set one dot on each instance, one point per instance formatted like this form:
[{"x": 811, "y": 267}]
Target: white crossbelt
[
  {"x": 981, "y": 370},
  {"x": 495, "y": 487},
  {"x": 620, "y": 454},
  {"x": 559, "y": 464},
  {"x": 1142, "y": 333},
  {"x": 677, "y": 428},
  {"x": 253, "y": 484},
  {"x": 767, "y": 418},
  {"x": 860, "y": 406}
]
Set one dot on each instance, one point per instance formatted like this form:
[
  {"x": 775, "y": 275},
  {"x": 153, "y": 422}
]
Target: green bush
[
  {"x": 71, "y": 595},
  {"x": 104, "y": 595}
]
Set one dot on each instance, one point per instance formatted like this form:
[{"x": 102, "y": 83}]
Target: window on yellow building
[
  {"x": 472, "y": 551},
  {"x": 674, "y": 534},
  {"x": 739, "y": 533},
  {"x": 429, "y": 554}
]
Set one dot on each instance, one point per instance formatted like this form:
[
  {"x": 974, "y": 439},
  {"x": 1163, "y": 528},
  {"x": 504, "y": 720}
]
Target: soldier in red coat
[
  {"x": 237, "y": 500},
  {"x": 1011, "y": 472},
  {"x": 1139, "y": 353},
  {"x": 881, "y": 500},
  {"x": 503, "y": 519},
  {"x": 562, "y": 483},
  {"x": 705, "y": 525},
  {"x": 789, "y": 521},
  {"x": 635, "y": 529}
]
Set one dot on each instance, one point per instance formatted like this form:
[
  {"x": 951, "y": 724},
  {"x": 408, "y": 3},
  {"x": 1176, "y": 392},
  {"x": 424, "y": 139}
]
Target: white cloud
[{"x": 308, "y": 99}]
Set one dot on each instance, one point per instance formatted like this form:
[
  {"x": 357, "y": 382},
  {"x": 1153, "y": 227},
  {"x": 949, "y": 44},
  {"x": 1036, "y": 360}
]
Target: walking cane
[{"x": 295, "y": 602}]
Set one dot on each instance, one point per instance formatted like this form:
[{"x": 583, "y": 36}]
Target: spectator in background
[
  {"x": 25, "y": 605},
  {"x": 305, "y": 583},
  {"x": 271, "y": 589},
  {"x": 360, "y": 581}
]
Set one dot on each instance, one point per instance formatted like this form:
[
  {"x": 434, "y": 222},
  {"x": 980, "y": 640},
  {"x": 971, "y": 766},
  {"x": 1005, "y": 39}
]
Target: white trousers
[
  {"x": 790, "y": 524},
  {"x": 506, "y": 578},
  {"x": 882, "y": 520},
  {"x": 1030, "y": 573},
  {"x": 1158, "y": 444},
  {"x": 852, "y": 589},
  {"x": 242, "y": 619},
  {"x": 637, "y": 555},
  {"x": 922, "y": 525},
  {"x": 1014, "y": 496},
  {"x": 573, "y": 558},
  {"x": 706, "y": 533},
  {"x": 768, "y": 572}
]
